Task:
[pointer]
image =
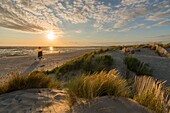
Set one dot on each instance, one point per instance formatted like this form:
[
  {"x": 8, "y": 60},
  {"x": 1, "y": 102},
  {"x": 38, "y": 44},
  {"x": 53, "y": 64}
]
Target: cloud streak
[{"x": 43, "y": 15}]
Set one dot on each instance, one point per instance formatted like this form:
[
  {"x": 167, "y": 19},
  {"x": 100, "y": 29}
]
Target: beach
[
  {"x": 55, "y": 100},
  {"x": 27, "y": 64}
]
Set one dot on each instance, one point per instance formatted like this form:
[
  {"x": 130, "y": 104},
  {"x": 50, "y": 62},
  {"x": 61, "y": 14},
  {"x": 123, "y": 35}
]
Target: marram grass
[
  {"x": 98, "y": 84},
  {"x": 149, "y": 93},
  {"x": 33, "y": 80}
]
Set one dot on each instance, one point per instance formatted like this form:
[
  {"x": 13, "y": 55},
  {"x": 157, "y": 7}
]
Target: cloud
[
  {"x": 163, "y": 23},
  {"x": 43, "y": 15},
  {"x": 159, "y": 16},
  {"x": 78, "y": 31},
  {"x": 134, "y": 27},
  {"x": 161, "y": 36},
  {"x": 130, "y": 2}
]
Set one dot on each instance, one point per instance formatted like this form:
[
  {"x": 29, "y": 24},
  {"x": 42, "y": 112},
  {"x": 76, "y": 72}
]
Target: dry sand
[
  {"x": 111, "y": 105},
  {"x": 29, "y": 64},
  {"x": 56, "y": 101},
  {"x": 34, "y": 101},
  {"x": 160, "y": 65}
]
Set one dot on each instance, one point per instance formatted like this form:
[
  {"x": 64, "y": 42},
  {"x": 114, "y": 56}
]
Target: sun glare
[
  {"x": 51, "y": 35},
  {"x": 51, "y": 48}
]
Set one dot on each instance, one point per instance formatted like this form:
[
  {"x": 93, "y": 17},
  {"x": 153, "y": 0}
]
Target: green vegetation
[
  {"x": 98, "y": 84},
  {"x": 149, "y": 93},
  {"x": 112, "y": 48},
  {"x": 88, "y": 63},
  {"x": 33, "y": 80},
  {"x": 140, "y": 68}
]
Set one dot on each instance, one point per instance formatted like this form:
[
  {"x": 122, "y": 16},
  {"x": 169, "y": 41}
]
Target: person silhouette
[{"x": 40, "y": 54}]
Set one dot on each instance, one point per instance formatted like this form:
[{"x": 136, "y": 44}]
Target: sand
[
  {"x": 160, "y": 65},
  {"x": 34, "y": 101},
  {"x": 56, "y": 101},
  {"x": 111, "y": 105},
  {"x": 25, "y": 65}
]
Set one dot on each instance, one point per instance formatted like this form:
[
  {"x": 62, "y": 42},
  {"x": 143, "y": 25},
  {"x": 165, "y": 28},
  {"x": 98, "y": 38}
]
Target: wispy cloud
[
  {"x": 78, "y": 31},
  {"x": 161, "y": 36},
  {"x": 163, "y": 23},
  {"x": 159, "y": 15},
  {"x": 42, "y": 15}
]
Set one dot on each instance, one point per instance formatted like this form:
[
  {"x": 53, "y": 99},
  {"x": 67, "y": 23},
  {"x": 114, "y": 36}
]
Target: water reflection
[{"x": 51, "y": 48}]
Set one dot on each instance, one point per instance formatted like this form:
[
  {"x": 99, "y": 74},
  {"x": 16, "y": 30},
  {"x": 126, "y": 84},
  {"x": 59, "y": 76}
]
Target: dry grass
[
  {"x": 98, "y": 84},
  {"x": 149, "y": 92},
  {"x": 34, "y": 80}
]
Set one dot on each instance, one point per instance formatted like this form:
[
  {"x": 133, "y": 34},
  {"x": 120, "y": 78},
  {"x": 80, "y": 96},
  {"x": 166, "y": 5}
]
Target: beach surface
[
  {"x": 28, "y": 64},
  {"x": 46, "y": 100}
]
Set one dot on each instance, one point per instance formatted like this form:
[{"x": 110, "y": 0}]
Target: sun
[{"x": 51, "y": 35}]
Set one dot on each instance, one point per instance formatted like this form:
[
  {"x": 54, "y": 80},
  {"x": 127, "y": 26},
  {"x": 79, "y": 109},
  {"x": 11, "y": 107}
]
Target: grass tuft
[
  {"x": 149, "y": 93},
  {"x": 33, "y": 80},
  {"x": 98, "y": 84}
]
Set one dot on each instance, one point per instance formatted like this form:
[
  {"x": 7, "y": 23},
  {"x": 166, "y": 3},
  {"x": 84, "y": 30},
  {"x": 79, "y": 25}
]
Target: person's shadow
[{"x": 31, "y": 67}]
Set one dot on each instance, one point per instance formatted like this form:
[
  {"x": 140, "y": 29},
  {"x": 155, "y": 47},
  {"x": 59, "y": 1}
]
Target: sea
[{"x": 32, "y": 51}]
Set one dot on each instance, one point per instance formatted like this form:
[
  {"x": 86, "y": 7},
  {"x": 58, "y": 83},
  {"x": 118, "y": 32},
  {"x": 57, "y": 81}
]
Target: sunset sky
[{"x": 83, "y": 22}]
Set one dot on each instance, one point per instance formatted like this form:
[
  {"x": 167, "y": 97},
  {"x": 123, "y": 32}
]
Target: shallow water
[{"x": 32, "y": 51}]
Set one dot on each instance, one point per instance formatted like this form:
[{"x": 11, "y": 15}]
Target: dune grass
[
  {"x": 145, "y": 90},
  {"x": 140, "y": 68},
  {"x": 33, "y": 80},
  {"x": 149, "y": 93},
  {"x": 98, "y": 84},
  {"x": 89, "y": 63}
]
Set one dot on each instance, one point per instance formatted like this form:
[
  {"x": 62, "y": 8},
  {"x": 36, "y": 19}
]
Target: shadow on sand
[{"x": 31, "y": 67}]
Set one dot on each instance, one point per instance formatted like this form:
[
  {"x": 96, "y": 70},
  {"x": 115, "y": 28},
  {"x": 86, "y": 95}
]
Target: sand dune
[
  {"x": 34, "y": 101},
  {"x": 111, "y": 105},
  {"x": 55, "y": 101},
  {"x": 160, "y": 65}
]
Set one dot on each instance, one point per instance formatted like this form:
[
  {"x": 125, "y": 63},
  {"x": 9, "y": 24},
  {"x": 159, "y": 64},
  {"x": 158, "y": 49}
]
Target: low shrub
[
  {"x": 33, "y": 80},
  {"x": 140, "y": 68},
  {"x": 98, "y": 84}
]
